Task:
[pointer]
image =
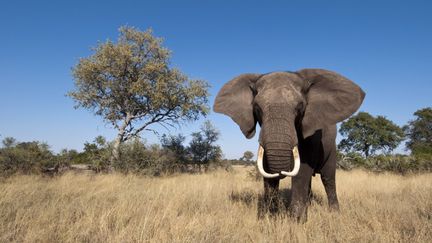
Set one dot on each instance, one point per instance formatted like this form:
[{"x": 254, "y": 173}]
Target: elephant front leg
[
  {"x": 330, "y": 188},
  {"x": 328, "y": 178},
  {"x": 270, "y": 200},
  {"x": 300, "y": 192}
]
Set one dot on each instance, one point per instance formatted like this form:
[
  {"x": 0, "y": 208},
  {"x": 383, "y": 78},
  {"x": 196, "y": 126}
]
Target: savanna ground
[{"x": 215, "y": 207}]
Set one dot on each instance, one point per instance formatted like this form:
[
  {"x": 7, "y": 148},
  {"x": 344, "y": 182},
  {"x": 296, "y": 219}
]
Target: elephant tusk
[
  {"x": 261, "y": 166},
  {"x": 296, "y": 169}
]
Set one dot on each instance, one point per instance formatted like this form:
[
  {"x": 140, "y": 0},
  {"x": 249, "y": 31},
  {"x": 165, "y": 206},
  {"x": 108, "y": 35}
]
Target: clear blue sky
[{"x": 385, "y": 46}]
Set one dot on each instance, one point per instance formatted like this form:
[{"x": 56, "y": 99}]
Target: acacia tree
[
  {"x": 419, "y": 132},
  {"x": 368, "y": 134},
  {"x": 132, "y": 86}
]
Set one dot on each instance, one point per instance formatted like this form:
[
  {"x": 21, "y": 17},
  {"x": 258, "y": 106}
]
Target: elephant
[{"x": 297, "y": 113}]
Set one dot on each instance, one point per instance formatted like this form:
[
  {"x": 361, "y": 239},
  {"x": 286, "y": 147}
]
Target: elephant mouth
[{"x": 292, "y": 173}]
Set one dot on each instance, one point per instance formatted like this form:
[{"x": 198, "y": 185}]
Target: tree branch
[{"x": 158, "y": 118}]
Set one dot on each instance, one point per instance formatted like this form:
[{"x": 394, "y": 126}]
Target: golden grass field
[{"x": 215, "y": 207}]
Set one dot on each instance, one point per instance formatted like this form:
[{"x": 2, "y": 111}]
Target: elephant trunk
[
  {"x": 279, "y": 157},
  {"x": 279, "y": 139},
  {"x": 293, "y": 172}
]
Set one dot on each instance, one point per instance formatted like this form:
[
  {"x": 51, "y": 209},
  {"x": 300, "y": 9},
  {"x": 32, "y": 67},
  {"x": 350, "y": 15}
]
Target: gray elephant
[{"x": 297, "y": 113}]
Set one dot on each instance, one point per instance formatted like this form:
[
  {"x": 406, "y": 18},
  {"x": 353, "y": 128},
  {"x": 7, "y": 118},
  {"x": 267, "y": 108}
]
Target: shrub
[
  {"x": 175, "y": 145},
  {"x": 138, "y": 158},
  {"x": 29, "y": 157},
  {"x": 97, "y": 154},
  {"x": 395, "y": 163}
]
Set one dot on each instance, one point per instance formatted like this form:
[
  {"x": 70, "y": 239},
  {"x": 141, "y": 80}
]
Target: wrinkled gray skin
[{"x": 293, "y": 108}]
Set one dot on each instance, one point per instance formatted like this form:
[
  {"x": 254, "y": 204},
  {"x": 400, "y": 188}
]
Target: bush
[
  {"x": 395, "y": 163},
  {"x": 349, "y": 161},
  {"x": 175, "y": 145},
  {"x": 136, "y": 157},
  {"x": 96, "y": 154},
  {"x": 29, "y": 158}
]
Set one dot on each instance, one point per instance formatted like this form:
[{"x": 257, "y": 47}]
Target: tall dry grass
[{"x": 215, "y": 207}]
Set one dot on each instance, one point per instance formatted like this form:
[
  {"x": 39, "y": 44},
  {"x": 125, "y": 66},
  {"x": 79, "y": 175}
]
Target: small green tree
[
  {"x": 96, "y": 154},
  {"x": 9, "y": 142},
  {"x": 132, "y": 86},
  {"x": 247, "y": 156},
  {"x": 419, "y": 132},
  {"x": 367, "y": 134},
  {"x": 175, "y": 144},
  {"x": 202, "y": 147}
]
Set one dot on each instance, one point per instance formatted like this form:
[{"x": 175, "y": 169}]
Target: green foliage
[
  {"x": 348, "y": 161},
  {"x": 28, "y": 157},
  {"x": 97, "y": 154},
  {"x": 379, "y": 163},
  {"x": 135, "y": 157},
  {"x": 132, "y": 86},
  {"x": 202, "y": 147},
  {"x": 139, "y": 158},
  {"x": 69, "y": 157},
  {"x": 247, "y": 156},
  {"x": 175, "y": 145},
  {"x": 419, "y": 134},
  {"x": 9, "y": 142},
  {"x": 151, "y": 160},
  {"x": 202, "y": 150},
  {"x": 367, "y": 134}
]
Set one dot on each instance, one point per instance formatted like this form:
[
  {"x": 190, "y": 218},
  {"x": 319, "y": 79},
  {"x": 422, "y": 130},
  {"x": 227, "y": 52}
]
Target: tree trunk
[
  {"x": 116, "y": 148},
  {"x": 366, "y": 150},
  {"x": 119, "y": 139}
]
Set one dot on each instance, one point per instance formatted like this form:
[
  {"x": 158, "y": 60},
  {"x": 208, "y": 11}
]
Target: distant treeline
[
  {"x": 368, "y": 142},
  {"x": 170, "y": 156}
]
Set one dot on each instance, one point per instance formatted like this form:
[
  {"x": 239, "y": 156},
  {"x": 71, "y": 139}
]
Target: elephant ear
[
  {"x": 235, "y": 100},
  {"x": 331, "y": 98}
]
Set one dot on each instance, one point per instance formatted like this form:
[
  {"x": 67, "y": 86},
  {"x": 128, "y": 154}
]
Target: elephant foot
[
  {"x": 299, "y": 213},
  {"x": 267, "y": 207},
  {"x": 334, "y": 207},
  {"x": 263, "y": 213},
  {"x": 333, "y": 204}
]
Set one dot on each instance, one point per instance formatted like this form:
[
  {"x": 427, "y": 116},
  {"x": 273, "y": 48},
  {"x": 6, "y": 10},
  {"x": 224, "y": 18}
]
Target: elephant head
[{"x": 288, "y": 106}]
